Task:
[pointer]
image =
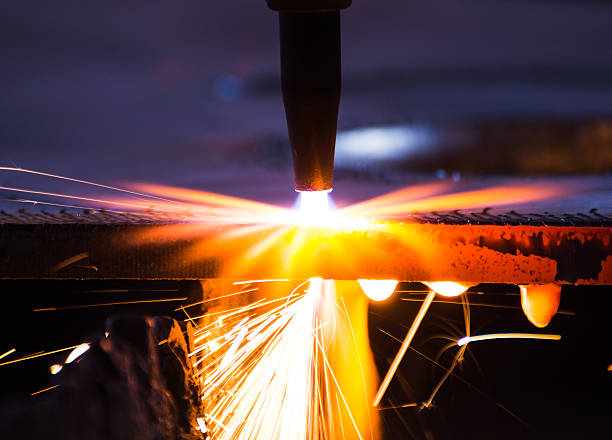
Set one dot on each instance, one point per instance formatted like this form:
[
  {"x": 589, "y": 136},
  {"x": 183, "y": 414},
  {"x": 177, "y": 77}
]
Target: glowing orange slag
[{"x": 540, "y": 302}]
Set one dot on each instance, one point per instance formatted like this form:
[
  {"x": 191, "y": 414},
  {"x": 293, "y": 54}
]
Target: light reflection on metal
[
  {"x": 381, "y": 143},
  {"x": 378, "y": 290}
]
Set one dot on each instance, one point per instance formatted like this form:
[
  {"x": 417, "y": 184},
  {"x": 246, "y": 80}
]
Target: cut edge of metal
[{"x": 486, "y": 216}]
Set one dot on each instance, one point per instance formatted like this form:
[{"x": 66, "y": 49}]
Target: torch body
[{"x": 311, "y": 84}]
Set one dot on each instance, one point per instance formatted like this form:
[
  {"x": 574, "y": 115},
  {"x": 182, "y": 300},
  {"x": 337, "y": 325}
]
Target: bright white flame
[
  {"x": 56, "y": 368},
  {"x": 447, "y": 288},
  {"x": 378, "y": 290},
  {"x": 314, "y": 203},
  {"x": 76, "y": 353}
]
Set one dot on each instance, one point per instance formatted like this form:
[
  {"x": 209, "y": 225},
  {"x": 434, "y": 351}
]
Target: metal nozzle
[{"x": 311, "y": 83}]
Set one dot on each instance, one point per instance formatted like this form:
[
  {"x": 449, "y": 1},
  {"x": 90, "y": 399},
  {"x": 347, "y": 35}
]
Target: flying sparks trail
[
  {"x": 405, "y": 344},
  {"x": 43, "y": 390},
  {"x": 467, "y": 339},
  {"x": 216, "y": 298},
  {"x": 269, "y": 374},
  {"x": 77, "y": 353},
  {"x": 116, "y": 303},
  {"x": 37, "y": 355},
  {"x": 461, "y": 379},
  {"x": 11, "y": 351},
  {"x": 444, "y": 288},
  {"x": 237, "y": 283},
  {"x": 494, "y": 306}
]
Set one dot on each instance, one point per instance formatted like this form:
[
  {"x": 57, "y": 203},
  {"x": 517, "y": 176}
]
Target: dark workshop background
[
  {"x": 187, "y": 93},
  {"x": 162, "y": 91}
]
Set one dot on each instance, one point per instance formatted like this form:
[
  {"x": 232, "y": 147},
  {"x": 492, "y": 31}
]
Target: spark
[
  {"x": 405, "y": 405},
  {"x": 37, "y": 355},
  {"x": 216, "y": 298},
  {"x": 43, "y": 390},
  {"x": 449, "y": 371},
  {"x": 268, "y": 376},
  {"x": 404, "y": 347},
  {"x": 69, "y": 261},
  {"x": 237, "y": 283},
  {"x": 55, "y": 368},
  {"x": 78, "y": 351},
  {"x": 472, "y": 304},
  {"x": 85, "y": 182},
  {"x": 467, "y": 339},
  {"x": 461, "y": 379},
  {"x": 201, "y": 425},
  {"x": 378, "y": 290},
  {"x": 11, "y": 351},
  {"x": 117, "y": 303},
  {"x": 73, "y": 197}
]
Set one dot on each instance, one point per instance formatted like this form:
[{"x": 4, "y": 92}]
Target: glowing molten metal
[{"x": 378, "y": 290}]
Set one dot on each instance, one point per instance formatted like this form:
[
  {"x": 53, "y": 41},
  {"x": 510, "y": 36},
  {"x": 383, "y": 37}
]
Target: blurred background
[{"x": 189, "y": 93}]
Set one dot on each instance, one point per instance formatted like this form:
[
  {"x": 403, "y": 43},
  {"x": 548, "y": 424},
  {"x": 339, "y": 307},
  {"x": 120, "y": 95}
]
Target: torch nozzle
[{"x": 311, "y": 82}]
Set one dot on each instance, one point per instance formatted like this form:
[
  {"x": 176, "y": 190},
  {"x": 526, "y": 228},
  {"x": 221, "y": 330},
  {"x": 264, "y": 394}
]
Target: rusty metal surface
[{"x": 476, "y": 247}]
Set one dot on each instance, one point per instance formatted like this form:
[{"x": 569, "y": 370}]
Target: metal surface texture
[{"x": 484, "y": 246}]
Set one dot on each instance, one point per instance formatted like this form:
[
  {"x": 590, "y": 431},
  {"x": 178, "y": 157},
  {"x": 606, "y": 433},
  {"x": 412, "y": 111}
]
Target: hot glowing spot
[
  {"x": 77, "y": 352},
  {"x": 378, "y": 290},
  {"x": 540, "y": 302},
  {"x": 56, "y": 368},
  {"x": 447, "y": 288}
]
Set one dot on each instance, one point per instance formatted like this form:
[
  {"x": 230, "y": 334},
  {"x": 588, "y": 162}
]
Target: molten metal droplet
[
  {"x": 540, "y": 302},
  {"x": 56, "y": 368},
  {"x": 378, "y": 290},
  {"x": 76, "y": 353},
  {"x": 447, "y": 288}
]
